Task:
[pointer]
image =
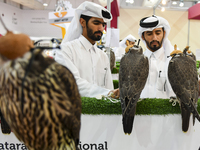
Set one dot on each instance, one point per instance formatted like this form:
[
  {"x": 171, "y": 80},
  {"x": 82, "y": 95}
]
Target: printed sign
[{"x": 150, "y": 132}]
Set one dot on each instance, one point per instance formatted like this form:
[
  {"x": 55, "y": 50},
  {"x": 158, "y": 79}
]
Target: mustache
[
  {"x": 154, "y": 41},
  {"x": 98, "y": 32}
]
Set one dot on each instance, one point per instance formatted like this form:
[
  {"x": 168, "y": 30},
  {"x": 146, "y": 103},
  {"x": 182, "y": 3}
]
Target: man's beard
[
  {"x": 154, "y": 47},
  {"x": 92, "y": 36}
]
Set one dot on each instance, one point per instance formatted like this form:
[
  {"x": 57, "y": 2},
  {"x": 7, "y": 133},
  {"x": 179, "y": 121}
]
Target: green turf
[{"x": 145, "y": 107}]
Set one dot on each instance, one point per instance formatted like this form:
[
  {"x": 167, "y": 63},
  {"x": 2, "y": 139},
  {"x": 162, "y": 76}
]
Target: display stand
[
  {"x": 61, "y": 18},
  {"x": 157, "y": 126},
  {"x": 150, "y": 132}
]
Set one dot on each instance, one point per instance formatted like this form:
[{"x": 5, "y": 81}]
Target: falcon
[
  {"x": 112, "y": 60},
  {"x": 183, "y": 77},
  {"x": 133, "y": 73},
  {"x": 111, "y": 56},
  {"x": 40, "y": 101}
]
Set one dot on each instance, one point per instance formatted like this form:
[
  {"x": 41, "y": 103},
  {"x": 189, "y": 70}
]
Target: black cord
[{"x": 138, "y": 42}]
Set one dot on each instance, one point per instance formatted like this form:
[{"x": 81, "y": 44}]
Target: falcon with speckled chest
[
  {"x": 133, "y": 73},
  {"x": 183, "y": 77},
  {"x": 40, "y": 101}
]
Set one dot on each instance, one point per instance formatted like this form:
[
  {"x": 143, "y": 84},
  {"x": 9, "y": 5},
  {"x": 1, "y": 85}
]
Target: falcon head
[
  {"x": 186, "y": 50},
  {"x": 134, "y": 48},
  {"x": 189, "y": 53},
  {"x": 175, "y": 52},
  {"x": 13, "y": 45}
]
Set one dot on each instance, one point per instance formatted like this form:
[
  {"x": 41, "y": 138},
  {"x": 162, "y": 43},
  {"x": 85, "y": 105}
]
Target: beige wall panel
[
  {"x": 128, "y": 21},
  {"x": 194, "y": 34},
  {"x": 178, "y": 21}
]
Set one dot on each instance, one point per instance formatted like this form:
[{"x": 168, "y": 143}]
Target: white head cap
[
  {"x": 130, "y": 38},
  {"x": 153, "y": 22},
  {"x": 89, "y": 9}
]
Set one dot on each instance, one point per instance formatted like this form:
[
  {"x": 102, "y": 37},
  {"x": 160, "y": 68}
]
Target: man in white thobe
[
  {"x": 89, "y": 65},
  {"x": 154, "y": 31},
  {"x": 120, "y": 51}
]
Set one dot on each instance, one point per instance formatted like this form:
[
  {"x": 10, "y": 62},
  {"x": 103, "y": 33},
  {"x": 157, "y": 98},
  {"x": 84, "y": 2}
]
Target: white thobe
[
  {"x": 119, "y": 53},
  {"x": 89, "y": 65},
  {"x": 157, "y": 84}
]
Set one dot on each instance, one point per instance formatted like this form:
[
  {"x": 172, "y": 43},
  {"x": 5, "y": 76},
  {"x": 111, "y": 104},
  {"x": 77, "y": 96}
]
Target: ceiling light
[
  {"x": 181, "y": 4},
  {"x": 174, "y": 3},
  {"x": 45, "y": 4},
  {"x": 163, "y": 9},
  {"x": 164, "y": 2},
  {"x": 198, "y": 2},
  {"x": 130, "y": 1}
]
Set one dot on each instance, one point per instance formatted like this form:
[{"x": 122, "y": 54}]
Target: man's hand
[{"x": 114, "y": 93}]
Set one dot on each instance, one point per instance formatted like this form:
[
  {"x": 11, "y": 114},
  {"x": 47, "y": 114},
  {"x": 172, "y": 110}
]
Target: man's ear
[
  {"x": 82, "y": 22},
  {"x": 143, "y": 36},
  {"x": 164, "y": 34}
]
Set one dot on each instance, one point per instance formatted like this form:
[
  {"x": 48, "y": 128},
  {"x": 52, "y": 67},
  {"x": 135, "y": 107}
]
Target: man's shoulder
[
  {"x": 71, "y": 43},
  {"x": 102, "y": 53}
]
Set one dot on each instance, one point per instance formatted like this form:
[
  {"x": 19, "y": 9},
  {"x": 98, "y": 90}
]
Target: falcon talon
[
  {"x": 174, "y": 103},
  {"x": 113, "y": 100},
  {"x": 103, "y": 97},
  {"x": 173, "y": 100}
]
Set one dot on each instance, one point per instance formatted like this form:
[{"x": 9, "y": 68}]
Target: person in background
[
  {"x": 154, "y": 33},
  {"x": 120, "y": 51},
  {"x": 89, "y": 65}
]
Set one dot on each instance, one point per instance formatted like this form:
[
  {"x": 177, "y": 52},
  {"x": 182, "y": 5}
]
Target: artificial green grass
[
  {"x": 95, "y": 106},
  {"x": 115, "y": 70},
  {"x": 197, "y": 64},
  {"x": 115, "y": 84}
]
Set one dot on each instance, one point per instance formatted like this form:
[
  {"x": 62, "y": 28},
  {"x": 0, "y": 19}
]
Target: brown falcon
[
  {"x": 40, "y": 101},
  {"x": 133, "y": 73},
  {"x": 183, "y": 77},
  {"x": 39, "y": 98},
  {"x": 111, "y": 56}
]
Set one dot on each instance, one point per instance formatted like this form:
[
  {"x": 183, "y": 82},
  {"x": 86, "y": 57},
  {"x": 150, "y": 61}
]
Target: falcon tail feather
[
  {"x": 194, "y": 111},
  {"x": 128, "y": 122},
  {"x": 193, "y": 120},
  {"x": 5, "y": 128},
  {"x": 185, "y": 114}
]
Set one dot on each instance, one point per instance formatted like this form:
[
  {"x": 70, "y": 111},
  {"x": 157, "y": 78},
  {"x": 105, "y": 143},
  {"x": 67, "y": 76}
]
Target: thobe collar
[
  {"x": 87, "y": 45},
  {"x": 156, "y": 54}
]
